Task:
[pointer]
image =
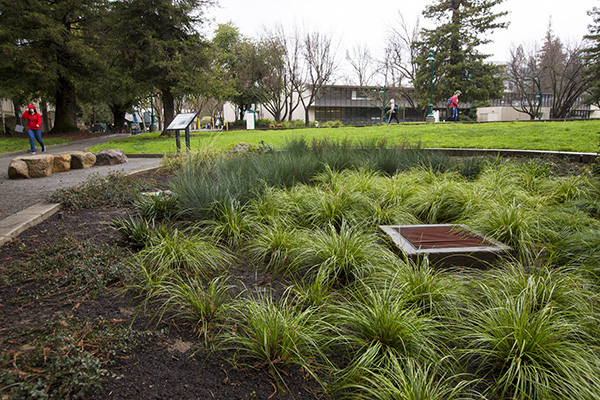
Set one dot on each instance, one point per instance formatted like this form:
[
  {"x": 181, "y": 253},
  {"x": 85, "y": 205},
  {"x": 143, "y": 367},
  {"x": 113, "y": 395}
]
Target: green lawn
[
  {"x": 17, "y": 144},
  {"x": 561, "y": 136}
]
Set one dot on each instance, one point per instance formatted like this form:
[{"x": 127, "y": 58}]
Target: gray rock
[
  {"x": 18, "y": 169},
  {"x": 110, "y": 157},
  {"x": 81, "y": 159}
]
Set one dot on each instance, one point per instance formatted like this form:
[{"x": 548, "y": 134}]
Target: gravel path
[{"x": 18, "y": 194}]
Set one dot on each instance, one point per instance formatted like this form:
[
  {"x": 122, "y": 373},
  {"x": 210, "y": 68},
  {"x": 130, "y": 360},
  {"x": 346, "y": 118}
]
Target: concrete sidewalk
[{"x": 23, "y": 201}]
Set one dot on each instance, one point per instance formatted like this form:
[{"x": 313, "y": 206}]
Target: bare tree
[
  {"x": 319, "y": 55},
  {"x": 292, "y": 74},
  {"x": 562, "y": 74},
  {"x": 400, "y": 61},
  {"x": 363, "y": 64},
  {"x": 524, "y": 75},
  {"x": 275, "y": 85}
]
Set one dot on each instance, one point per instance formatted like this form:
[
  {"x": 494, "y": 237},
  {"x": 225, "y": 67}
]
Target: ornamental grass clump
[
  {"x": 271, "y": 333},
  {"x": 272, "y": 204},
  {"x": 377, "y": 327},
  {"x": 312, "y": 294},
  {"x": 202, "y": 304},
  {"x": 510, "y": 223},
  {"x": 409, "y": 379},
  {"x": 424, "y": 289},
  {"x": 530, "y": 344},
  {"x": 157, "y": 206},
  {"x": 360, "y": 197},
  {"x": 442, "y": 201},
  {"x": 230, "y": 224},
  {"x": 581, "y": 250},
  {"x": 339, "y": 257},
  {"x": 273, "y": 245},
  {"x": 136, "y": 231},
  {"x": 183, "y": 252},
  {"x": 569, "y": 188},
  {"x": 324, "y": 207},
  {"x": 363, "y": 181}
]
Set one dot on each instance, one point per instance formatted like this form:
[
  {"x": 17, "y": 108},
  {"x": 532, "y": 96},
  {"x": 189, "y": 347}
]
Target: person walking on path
[
  {"x": 34, "y": 129},
  {"x": 453, "y": 104},
  {"x": 393, "y": 112}
]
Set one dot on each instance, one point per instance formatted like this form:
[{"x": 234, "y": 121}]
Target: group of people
[{"x": 452, "y": 104}]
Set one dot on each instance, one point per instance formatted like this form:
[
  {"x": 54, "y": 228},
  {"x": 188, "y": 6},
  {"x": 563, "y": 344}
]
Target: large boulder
[
  {"x": 81, "y": 159},
  {"x": 18, "y": 169},
  {"x": 39, "y": 166},
  {"x": 110, "y": 157},
  {"x": 61, "y": 163}
]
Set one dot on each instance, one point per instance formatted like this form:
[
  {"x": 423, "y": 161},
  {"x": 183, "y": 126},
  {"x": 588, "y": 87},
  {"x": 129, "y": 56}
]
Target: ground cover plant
[
  {"x": 580, "y": 136},
  {"x": 277, "y": 273}
]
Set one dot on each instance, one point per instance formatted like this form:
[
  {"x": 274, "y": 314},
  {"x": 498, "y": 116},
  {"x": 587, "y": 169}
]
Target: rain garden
[{"x": 343, "y": 304}]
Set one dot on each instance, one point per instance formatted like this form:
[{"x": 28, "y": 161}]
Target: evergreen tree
[
  {"x": 45, "y": 52},
  {"x": 592, "y": 58},
  {"x": 161, "y": 46},
  {"x": 462, "y": 27}
]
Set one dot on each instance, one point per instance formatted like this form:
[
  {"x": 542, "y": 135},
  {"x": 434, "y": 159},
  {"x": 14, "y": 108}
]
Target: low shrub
[
  {"x": 72, "y": 265},
  {"x": 296, "y": 123},
  {"x": 114, "y": 190},
  {"x": 61, "y": 360}
]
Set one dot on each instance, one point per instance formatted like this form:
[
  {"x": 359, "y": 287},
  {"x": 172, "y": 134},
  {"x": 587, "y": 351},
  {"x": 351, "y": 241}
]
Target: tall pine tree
[
  {"x": 44, "y": 52},
  {"x": 592, "y": 58},
  {"x": 462, "y": 27},
  {"x": 161, "y": 45}
]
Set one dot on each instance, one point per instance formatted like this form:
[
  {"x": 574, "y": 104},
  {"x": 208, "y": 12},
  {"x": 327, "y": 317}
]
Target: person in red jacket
[
  {"x": 453, "y": 104},
  {"x": 34, "y": 128}
]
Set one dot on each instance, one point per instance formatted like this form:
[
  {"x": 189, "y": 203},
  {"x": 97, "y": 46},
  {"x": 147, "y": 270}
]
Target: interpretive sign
[{"x": 182, "y": 122}]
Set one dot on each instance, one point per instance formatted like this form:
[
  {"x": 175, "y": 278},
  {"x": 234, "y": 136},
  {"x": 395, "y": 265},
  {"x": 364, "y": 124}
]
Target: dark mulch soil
[{"x": 166, "y": 360}]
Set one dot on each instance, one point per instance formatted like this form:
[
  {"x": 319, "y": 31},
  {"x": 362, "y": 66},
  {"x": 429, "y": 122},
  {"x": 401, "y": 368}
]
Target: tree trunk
[
  {"x": 168, "y": 108},
  {"x": 118, "y": 112},
  {"x": 65, "y": 119}
]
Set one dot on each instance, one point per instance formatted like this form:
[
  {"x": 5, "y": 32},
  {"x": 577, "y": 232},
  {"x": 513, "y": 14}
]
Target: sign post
[{"x": 182, "y": 122}]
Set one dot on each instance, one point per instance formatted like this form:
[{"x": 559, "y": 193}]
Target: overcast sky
[{"x": 357, "y": 22}]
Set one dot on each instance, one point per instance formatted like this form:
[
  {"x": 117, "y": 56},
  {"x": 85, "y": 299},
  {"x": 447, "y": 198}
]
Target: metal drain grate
[{"x": 448, "y": 244}]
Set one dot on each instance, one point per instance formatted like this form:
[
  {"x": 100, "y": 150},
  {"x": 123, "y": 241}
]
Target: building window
[{"x": 356, "y": 95}]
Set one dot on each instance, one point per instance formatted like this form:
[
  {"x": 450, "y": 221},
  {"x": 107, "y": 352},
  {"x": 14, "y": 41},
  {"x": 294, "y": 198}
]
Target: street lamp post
[
  {"x": 431, "y": 58},
  {"x": 382, "y": 90}
]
